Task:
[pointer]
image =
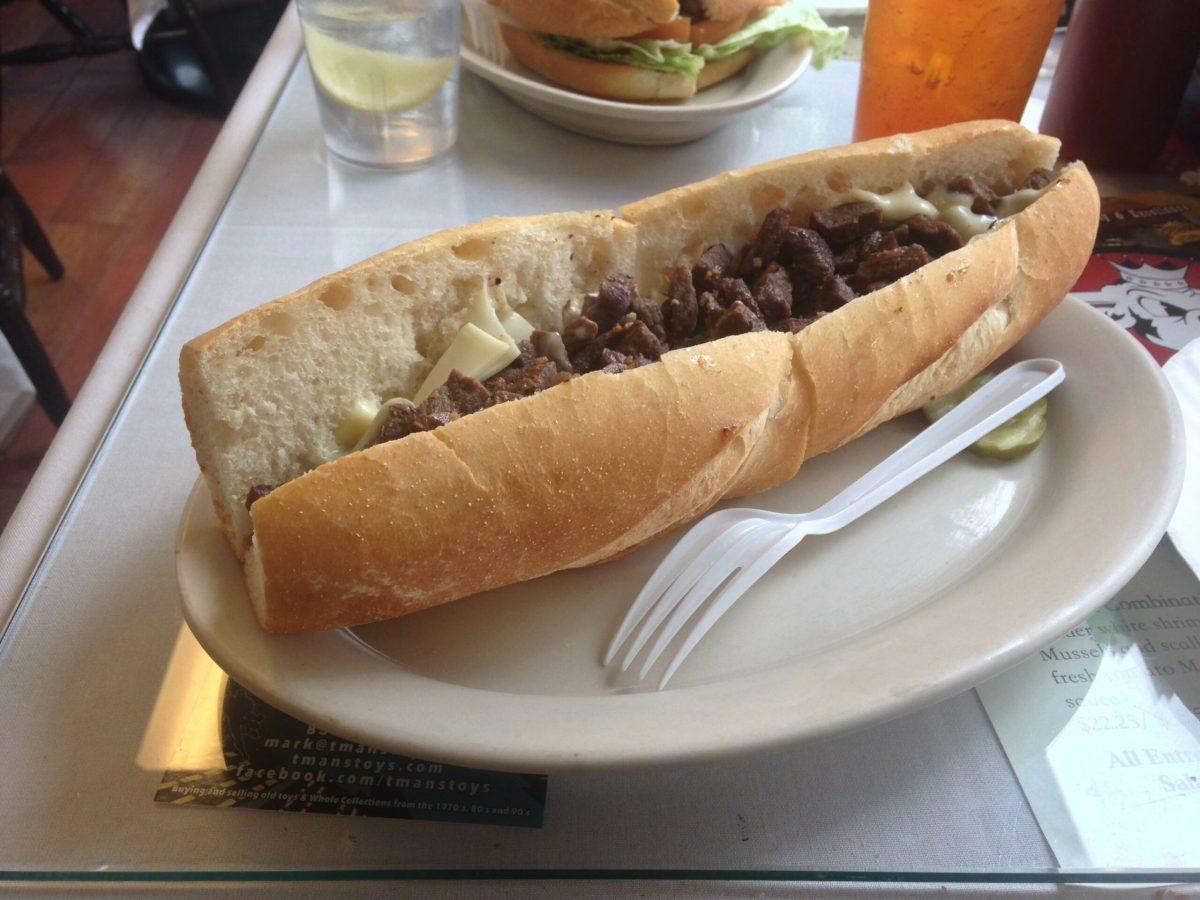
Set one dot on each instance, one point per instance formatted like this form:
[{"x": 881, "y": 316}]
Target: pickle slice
[{"x": 1013, "y": 439}]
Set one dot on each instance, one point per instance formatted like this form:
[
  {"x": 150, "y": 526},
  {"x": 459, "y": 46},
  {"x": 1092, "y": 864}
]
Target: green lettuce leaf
[
  {"x": 778, "y": 24},
  {"x": 661, "y": 56}
]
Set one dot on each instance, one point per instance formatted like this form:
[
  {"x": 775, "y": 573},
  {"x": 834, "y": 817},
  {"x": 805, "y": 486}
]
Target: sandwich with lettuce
[{"x": 655, "y": 49}]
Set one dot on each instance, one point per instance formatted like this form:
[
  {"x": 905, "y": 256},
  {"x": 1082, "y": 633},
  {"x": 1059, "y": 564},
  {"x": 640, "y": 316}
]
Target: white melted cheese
[
  {"x": 902, "y": 203},
  {"x": 358, "y": 421},
  {"x": 483, "y": 315},
  {"x": 951, "y": 207},
  {"x": 516, "y": 326},
  {"x": 473, "y": 352},
  {"x": 484, "y": 345},
  {"x": 955, "y": 210},
  {"x": 1017, "y": 201}
]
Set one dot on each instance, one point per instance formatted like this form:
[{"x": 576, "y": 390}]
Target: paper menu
[
  {"x": 1101, "y": 727},
  {"x": 1183, "y": 373}
]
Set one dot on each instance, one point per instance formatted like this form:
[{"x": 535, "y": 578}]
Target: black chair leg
[
  {"x": 31, "y": 232},
  {"x": 15, "y": 326},
  {"x": 32, "y": 356},
  {"x": 68, "y": 18}
]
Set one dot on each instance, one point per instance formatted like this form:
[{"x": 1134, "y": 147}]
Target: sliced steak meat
[
  {"x": 403, "y": 419},
  {"x": 764, "y": 249},
  {"x": 877, "y": 242},
  {"x": 550, "y": 345},
  {"x": 933, "y": 234},
  {"x": 681, "y": 309},
  {"x": 846, "y": 261},
  {"x": 733, "y": 290},
  {"x": 467, "y": 394},
  {"x": 650, "y": 312},
  {"x": 612, "y": 301},
  {"x": 1038, "y": 179},
  {"x": 613, "y": 361},
  {"x": 257, "y": 492},
  {"x": 773, "y": 293},
  {"x": 840, "y": 225},
  {"x": 712, "y": 264},
  {"x": 439, "y": 406},
  {"x": 578, "y": 333},
  {"x": 831, "y": 294},
  {"x": 738, "y": 319},
  {"x": 711, "y": 311},
  {"x": 636, "y": 338},
  {"x": 984, "y": 201},
  {"x": 869, "y": 244},
  {"x": 888, "y": 266},
  {"x": 537, "y": 376},
  {"x": 525, "y": 357},
  {"x": 807, "y": 257}
]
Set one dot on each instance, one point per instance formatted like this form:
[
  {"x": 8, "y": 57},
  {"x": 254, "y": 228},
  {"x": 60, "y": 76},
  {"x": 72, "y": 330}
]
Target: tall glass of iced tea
[{"x": 933, "y": 62}]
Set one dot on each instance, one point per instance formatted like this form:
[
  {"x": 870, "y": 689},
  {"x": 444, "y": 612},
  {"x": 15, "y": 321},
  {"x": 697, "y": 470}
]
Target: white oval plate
[
  {"x": 965, "y": 573},
  {"x": 666, "y": 122}
]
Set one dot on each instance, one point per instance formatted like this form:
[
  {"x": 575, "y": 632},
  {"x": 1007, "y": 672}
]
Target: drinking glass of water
[{"x": 386, "y": 76}]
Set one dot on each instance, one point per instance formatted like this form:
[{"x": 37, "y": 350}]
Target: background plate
[
  {"x": 668, "y": 122},
  {"x": 965, "y": 573}
]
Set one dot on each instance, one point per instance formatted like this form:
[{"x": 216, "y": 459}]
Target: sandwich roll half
[{"x": 589, "y": 76}]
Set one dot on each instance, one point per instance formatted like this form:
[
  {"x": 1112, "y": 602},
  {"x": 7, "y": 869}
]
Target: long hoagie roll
[{"x": 602, "y": 462}]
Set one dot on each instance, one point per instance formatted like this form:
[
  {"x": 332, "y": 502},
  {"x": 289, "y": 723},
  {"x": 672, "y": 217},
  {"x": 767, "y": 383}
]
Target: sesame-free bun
[
  {"x": 721, "y": 10},
  {"x": 597, "y": 466},
  {"x": 589, "y": 19},
  {"x": 718, "y": 71},
  {"x": 589, "y": 76}
]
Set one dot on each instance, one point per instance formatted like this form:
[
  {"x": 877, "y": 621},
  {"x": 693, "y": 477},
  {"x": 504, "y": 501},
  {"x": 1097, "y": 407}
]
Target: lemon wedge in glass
[{"x": 373, "y": 80}]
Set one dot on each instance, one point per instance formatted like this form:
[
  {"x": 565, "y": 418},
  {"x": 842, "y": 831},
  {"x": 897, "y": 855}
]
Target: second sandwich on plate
[{"x": 655, "y": 49}]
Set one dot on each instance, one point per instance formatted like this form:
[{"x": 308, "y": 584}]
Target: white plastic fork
[{"x": 753, "y": 540}]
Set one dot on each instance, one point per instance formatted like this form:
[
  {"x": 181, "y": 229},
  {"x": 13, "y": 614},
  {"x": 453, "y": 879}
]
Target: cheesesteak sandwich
[{"x": 500, "y": 401}]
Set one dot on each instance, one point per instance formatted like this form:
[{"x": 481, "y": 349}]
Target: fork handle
[{"x": 993, "y": 404}]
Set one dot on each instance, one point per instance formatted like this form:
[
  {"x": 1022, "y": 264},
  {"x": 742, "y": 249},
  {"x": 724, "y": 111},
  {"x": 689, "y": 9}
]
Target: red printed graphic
[{"x": 1155, "y": 297}]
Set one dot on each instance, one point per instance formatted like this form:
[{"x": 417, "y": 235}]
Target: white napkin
[{"x": 1183, "y": 372}]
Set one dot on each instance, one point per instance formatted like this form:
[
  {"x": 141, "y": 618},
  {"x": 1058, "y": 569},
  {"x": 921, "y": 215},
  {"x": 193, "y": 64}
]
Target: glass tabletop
[{"x": 129, "y": 756}]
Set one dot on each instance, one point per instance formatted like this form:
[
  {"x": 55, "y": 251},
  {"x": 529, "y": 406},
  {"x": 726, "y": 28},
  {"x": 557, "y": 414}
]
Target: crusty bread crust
[
  {"x": 554, "y": 481},
  {"x": 589, "y": 76},
  {"x": 590, "y": 19}
]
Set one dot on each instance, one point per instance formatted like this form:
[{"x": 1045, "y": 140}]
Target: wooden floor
[{"x": 104, "y": 164}]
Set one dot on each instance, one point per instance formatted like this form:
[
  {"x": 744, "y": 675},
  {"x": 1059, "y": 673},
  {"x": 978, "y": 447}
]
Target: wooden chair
[
  {"x": 84, "y": 41},
  {"x": 18, "y": 226}
]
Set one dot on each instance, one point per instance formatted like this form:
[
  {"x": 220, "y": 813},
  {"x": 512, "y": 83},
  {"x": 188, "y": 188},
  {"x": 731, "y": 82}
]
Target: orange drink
[{"x": 933, "y": 62}]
